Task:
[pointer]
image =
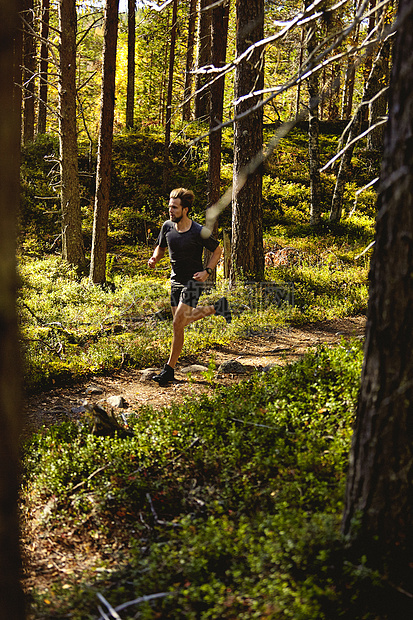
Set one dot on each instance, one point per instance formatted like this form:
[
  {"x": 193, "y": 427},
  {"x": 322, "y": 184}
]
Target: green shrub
[{"x": 236, "y": 497}]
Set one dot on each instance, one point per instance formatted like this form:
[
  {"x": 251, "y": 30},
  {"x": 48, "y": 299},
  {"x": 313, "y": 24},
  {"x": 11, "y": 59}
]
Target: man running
[{"x": 185, "y": 244}]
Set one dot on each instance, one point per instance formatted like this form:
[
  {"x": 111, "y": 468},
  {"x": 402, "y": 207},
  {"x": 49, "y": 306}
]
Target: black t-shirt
[{"x": 185, "y": 249}]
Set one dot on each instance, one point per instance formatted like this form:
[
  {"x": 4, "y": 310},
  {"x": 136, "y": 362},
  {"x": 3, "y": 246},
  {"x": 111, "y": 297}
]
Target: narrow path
[{"x": 258, "y": 351}]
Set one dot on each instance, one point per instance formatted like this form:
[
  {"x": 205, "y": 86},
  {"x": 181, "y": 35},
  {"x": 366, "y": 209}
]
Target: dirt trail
[{"x": 281, "y": 347}]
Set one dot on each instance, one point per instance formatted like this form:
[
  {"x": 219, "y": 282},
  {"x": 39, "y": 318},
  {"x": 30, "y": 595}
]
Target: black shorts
[{"x": 188, "y": 293}]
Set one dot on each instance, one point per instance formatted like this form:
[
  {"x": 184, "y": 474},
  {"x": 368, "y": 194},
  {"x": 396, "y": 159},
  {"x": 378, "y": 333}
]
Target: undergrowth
[
  {"x": 224, "y": 507},
  {"x": 71, "y": 330}
]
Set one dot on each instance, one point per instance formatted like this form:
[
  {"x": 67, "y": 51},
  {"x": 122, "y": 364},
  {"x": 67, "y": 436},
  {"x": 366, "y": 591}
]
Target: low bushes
[
  {"x": 224, "y": 507},
  {"x": 230, "y": 505}
]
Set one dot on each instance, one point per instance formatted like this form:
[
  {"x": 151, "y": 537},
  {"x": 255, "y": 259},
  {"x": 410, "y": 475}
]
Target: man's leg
[
  {"x": 183, "y": 316},
  {"x": 185, "y": 312}
]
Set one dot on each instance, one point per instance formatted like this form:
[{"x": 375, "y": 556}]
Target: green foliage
[
  {"x": 229, "y": 505},
  {"x": 40, "y": 200},
  {"x": 72, "y": 330}
]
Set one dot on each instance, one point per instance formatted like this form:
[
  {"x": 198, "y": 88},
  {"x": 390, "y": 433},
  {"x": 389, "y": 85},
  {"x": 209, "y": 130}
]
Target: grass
[{"x": 72, "y": 330}]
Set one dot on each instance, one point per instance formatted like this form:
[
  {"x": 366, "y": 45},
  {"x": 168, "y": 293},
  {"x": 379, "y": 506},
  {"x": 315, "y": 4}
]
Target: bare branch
[
  {"x": 85, "y": 32},
  {"x": 142, "y": 599},
  {"x": 306, "y": 71},
  {"x": 359, "y": 191},
  {"x": 113, "y": 612},
  {"x": 81, "y": 86},
  {"x": 359, "y": 137},
  {"x": 370, "y": 245},
  {"x": 152, "y": 5}
]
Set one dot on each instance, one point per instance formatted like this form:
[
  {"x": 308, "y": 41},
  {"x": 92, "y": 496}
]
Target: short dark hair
[{"x": 186, "y": 196}]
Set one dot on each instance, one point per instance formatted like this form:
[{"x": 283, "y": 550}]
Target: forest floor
[
  {"x": 50, "y": 561},
  {"x": 278, "y": 347}
]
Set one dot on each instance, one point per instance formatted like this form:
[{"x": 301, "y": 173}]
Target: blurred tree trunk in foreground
[
  {"x": 11, "y": 596},
  {"x": 378, "y": 517}
]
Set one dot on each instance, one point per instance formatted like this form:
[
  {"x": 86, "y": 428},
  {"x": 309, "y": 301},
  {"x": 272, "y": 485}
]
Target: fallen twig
[
  {"x": 112, "y": 611},
  {"x": 136, "y": 601},
  {"x": 155, "y": 516},
  {"x": 94, "y": 473}
]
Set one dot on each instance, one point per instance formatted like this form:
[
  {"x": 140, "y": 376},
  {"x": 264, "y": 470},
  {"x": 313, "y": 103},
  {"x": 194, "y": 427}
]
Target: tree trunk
[
  {"x": 300, "y": 64},
  {"x": 72, "y": 242},
  {"x": 29, "y": 71},
  {"x": 378, "y": 516},
  {"x": 334, "y": 95},
  {"x": 247, "y": 236},
  {"x": 220, "y": 17},
  {"x": 351, "y": 132},
  {"x": 204, "y": 58},
  {"x": 168, "y": 119},
  {"x": 186, "y": 108},
  {"x": 368, "y": 62},
  {"x": 348, "y": 91},
  {"x": 104, "y": 162},
  {"x": 313, "y": 132},
  {"x": 378, "y": 107},
  {"x": 44, "y": 64},
  {"x": 130, "y": 88},
  {"x": 164, "y": 79},
  {"x": 11, "y": 595}
]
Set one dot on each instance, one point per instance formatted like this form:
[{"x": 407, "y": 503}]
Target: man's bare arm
[
  {"x": 201, "y": 276},
  {"x": 157, "y": 255}
]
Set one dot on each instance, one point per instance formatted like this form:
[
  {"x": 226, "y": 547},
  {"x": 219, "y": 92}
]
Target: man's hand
[
  {"x": 200, "y": 276},
  {"x": 157, "y": 255}
]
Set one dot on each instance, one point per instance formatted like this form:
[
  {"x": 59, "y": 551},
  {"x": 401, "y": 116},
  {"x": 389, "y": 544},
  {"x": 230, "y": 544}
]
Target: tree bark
[
  {"x": 348, "y": 91},
  {"x": 334, "y": 95},
  {"x": 29, "y": 71},
  {"x": 300, "y": 64},
  {"x": 220, "y": 18},
  {"x": 378, "y": 107},
  {"x": 313, "y": 132},
  {"x": 349, "y": 79},
  {"x": 204, "y": 59},
  {"x": 164, "y": 79},
  {"x": 44, "y": 66},
  {"x": 11, "y": 595},
  {"x": 186, "y": 107},
  {"x": 247, "y": 259},
  {"x": 72, "y": 241},
  {"x": 104, "y": 162},
  {"x": 352, "y": 131},
  {"x": 168, "y": 118},
  {"x": 378, "y": 516},
  {"x": 130, "y": 88}
]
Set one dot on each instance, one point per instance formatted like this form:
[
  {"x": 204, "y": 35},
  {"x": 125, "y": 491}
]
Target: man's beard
[{"x": 177, "y": 219}]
